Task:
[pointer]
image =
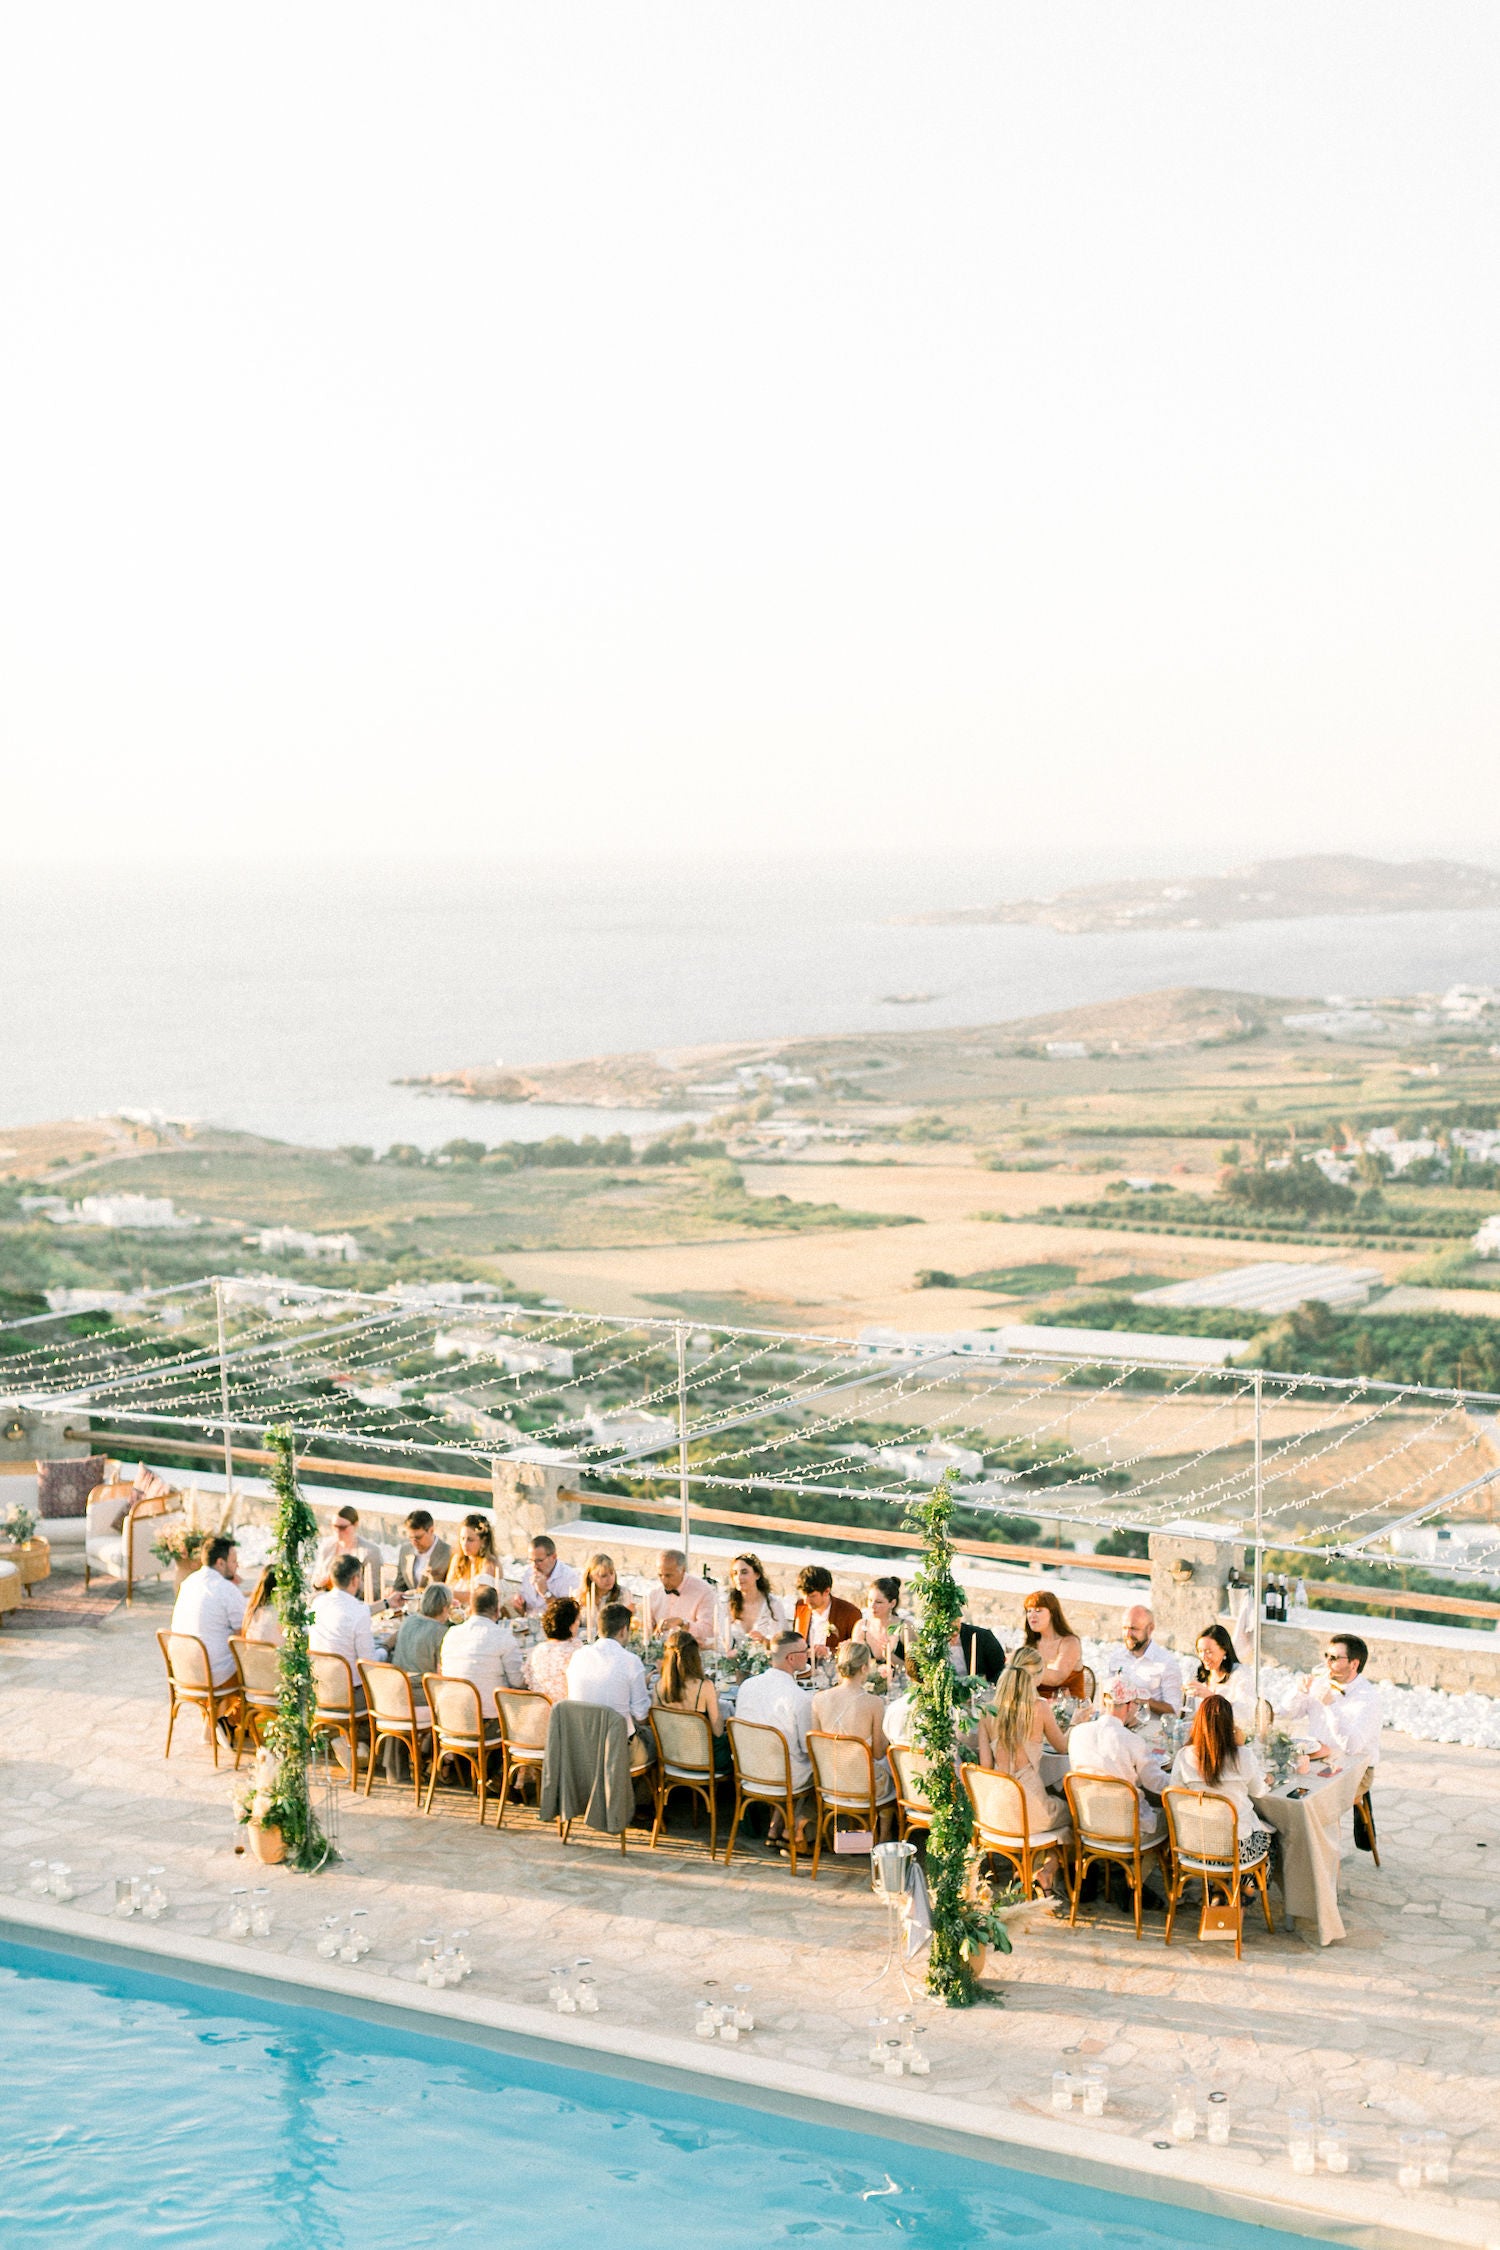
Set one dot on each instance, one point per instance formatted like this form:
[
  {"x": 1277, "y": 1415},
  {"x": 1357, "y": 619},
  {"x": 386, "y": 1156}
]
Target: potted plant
[
  {"x": 18, "y": 1527},
  {"x": 181, "y": 1546},
  {"x": 981, "y": 1926},
  {"x": 257, "y": 1810}
]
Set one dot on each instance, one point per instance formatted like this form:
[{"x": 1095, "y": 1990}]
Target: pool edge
[{"x": 1359, "y": 2218}]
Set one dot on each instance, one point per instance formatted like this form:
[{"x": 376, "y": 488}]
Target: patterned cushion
[{"x": 63, "y": 1487}]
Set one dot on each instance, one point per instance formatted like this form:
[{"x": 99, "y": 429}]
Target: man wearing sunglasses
[{"x": 1337, "y": 1702}]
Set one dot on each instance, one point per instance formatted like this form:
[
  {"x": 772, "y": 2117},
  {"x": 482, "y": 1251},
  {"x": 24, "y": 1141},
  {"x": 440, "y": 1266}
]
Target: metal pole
[
  {"x": 682, "y": 1445},
  {"x": 224, "y": 1403},
  {"x": 1259, "y": 1549}
]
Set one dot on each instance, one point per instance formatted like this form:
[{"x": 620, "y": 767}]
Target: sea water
[{"x": 286, "y": 1001}]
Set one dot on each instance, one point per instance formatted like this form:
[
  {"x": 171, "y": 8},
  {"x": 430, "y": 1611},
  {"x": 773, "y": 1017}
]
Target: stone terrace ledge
[{"x": 1399, "y": 2025}]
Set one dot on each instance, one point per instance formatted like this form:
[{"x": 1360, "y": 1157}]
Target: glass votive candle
[
  {"x": 706, "y": 2020},
  {"x": 1218, "y": 2127},
  {"x": 330, "y": 1938},
  {"x": 1409, "y": 2153},
  {"x": 877, "y": 2039},
  {"x": 559, "y": 1983},
  {"x": 1435, "y": 2159},
  {"x": 728, "y": 2027},
  {"x": 892, "y": 2063},
  {"x": 1333, "y": 2145},
  {"x": 156, "y": 1903},
  {"x": 60, "y": 1879},
  {"x": 1301, "y": 2140},
  {"x": 1095, "y": 2091},
  {"x": 744, "y": 2015},
  {"x": 40, "y": 1882},
  {"x": 239, "y": 1918},
  {"x": 1184, "y": 2109},
  {"x": 260, "y": 1915},
  {"x": 588, "y": 1996},
  {"x": 124, "y": 1896},
  {"x": 1062, "y": 2089}
]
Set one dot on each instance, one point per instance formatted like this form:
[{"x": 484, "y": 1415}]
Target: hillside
[{"x": 1269, "y": 890}]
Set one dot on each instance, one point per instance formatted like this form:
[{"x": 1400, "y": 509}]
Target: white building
[
  {"x": 987, "y": 1345},
  {"x": 929, "y": 1464},
  {"x": 1067, "y": 1050},
  {"x": 1273, "y": 1285},
  {"x": 1487, "y": 1240},
  {"x": 291, "y": 1242},
  {"x": 124, "y": 1211},
  {"x": 632, "y": 1430},
  {"x": 534, "y": 1359},
  {"x": 464, "y": 1343}
]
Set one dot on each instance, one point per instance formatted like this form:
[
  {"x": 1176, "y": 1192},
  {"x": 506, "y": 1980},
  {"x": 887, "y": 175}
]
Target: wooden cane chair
[
  {"x": 762, "y": 1776},
  {"x": 1090, "y": 1684},
  {"x": 684, "y": 1760},
  {"x": 913, "y": 1805},
  {"x": 524, "y": 1719},
  {"x": 1002, "y": 1823},
  {"x": 1205, "y": 1835},
  {"x": 1364, "y": 1806},
  {"x": 394, "y": 1715},
  {"x": 843, "y": 1782},
  {"x": 335, "y": 1710},
  {"x": 190, "y": 1680},
  {"x": 1107, "y": 1827},
  {"x": 459, "y": 1730},
  {"x": 257, "y": 1663}
]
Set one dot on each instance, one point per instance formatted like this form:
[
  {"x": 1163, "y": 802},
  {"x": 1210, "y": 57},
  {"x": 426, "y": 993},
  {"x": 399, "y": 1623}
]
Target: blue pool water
[{"x": 138, "y": 2110}]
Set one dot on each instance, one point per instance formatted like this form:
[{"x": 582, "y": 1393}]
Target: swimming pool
[{"x": 137, "y": 2109}]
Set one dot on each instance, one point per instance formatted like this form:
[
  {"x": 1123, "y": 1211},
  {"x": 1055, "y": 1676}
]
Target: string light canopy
[{"x": 438, "y": 1374}]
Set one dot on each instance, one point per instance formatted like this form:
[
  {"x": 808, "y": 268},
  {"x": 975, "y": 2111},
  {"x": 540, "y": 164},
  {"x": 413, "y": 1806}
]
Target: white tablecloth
[{"x": 1309, "y": 1830}]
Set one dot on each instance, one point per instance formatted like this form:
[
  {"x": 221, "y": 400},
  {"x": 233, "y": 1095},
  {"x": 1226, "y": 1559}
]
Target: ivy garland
[
  {"x": 940, "y": 1608},
  {"x": 289, "y": 1735}
]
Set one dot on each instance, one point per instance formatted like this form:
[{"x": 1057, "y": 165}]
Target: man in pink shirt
[{"x": 679, "y": 1599}]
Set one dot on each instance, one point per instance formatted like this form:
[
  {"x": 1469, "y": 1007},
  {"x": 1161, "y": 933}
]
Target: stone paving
[{"x": 1397, "y": 2027}]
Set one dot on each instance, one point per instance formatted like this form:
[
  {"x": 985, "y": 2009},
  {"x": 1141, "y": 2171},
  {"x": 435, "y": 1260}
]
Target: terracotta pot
[
  {"x": 268, "y": 1844},
  {"x": 181, "y": 1570},
  {"x": 977, "y": 1962}
]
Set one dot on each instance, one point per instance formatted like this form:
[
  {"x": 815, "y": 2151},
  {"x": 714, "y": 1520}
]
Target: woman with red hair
[
  {"x": 1056, "y": 1643},
  {"x": 1215, "y": 1761}
]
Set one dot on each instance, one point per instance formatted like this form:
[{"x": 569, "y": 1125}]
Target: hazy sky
[{"x": 514, "y": 428}]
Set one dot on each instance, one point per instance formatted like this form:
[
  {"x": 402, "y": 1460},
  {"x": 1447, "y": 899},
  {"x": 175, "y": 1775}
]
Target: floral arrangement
[
  {"x": 18, "y": 1526},
  {"x": 1280, "y": 1755},
  {"x": 744, "y": 1662},
  {"x": 255, "y": 1797},
  {"x": 980, "y": 1926},
  {"x": 182, "y": 1544},
  {"x": 289, "y": 1736},
  {"x": 957, "y": 1921}
]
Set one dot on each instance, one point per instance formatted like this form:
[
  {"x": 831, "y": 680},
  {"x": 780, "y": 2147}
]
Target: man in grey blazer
[{"x": 424, "y": 1558}]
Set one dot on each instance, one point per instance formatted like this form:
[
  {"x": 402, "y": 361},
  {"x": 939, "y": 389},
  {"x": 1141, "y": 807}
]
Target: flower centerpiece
[
  {"x": 18, "y": 1526},
  {"x": 181, "y": 1546},
  {"x": 743, "y": 1663},
  {"x": 980, "y": 1927},
  {"x": 255, "y": 1808},
  {"x": 1280, "y": 1755}
]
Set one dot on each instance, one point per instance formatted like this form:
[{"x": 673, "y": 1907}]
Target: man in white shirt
[
  {"x": 1150, "y": 1671},
  {"x": 773, "y": 1699},
  {"x": 210, "y": 1606},
  {"x": 545, "y": 1576},
  {"x": 1106, "y": 1745},
  {"x": 340, "y": 1622},
  {"x": 1339, "y": 1704},
  {"x": 484, "y": 1651},
  {"x": 344, "y": 1539},
  {"x": 678, "y": 1598},
  {"x": 606, "y": 1671}
]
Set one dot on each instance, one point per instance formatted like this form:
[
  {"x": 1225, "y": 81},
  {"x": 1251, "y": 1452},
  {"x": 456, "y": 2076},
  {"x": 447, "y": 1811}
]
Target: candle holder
[
  {"x": 1333, "y": 2145},
  {"x": 744, "y": 2014},
  {"x": 124, "y": 1897},
  {"x": 1185, "y": 2109},
  {"x": 330, "y": 1938},
  {"x": 60, "y": 1879},
  {"x": 1095, "y": 2091},
  {"x": 1435, "y": 2159},
  {"x": 1409, "y": 2150},
  {"x": 260, "y": 1914},
  {"x": 239, "y": 1912},
  {"x": 705, "y": 2020},
  {"x": 1062, "y": 2090},
  {"x": 1218, "y": 2125},
  {"x": 1301, "y": 2141}
]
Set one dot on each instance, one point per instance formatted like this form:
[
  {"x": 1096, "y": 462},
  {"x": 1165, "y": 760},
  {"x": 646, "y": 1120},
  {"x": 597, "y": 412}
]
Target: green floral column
[{"x": 289, "y": 1736}]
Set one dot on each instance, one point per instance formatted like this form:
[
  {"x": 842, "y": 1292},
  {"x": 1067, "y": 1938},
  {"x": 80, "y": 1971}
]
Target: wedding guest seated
[
  {"x": 1215, "y": 1761},
  {"x": 1152, "y": 1671},
  {"x": 901, "y": 1710},
  {"x": 601, "y": 1584},
  {"x": 483, "y": 1650},
  {"x": 546, "y": 1576},
  {"x": 345, "y": 1539},
  {"x": 752, "y": 1611},
  {"x": 821, "y": 1617},
  {"x": 682, "y": 1687},
  {"x": 679, "y": 1598},
  {"x": 547, "y": 1664},
  {"x": 420, "y": 1639},
  {"x": 850, "y": 1708},
  {"x": 210, "y": 1606},
  {"x": 340, "y": 1622},
  {"x": 1220, "y": 1672},
  {"x": 421, "y": 1555},
  {"x": 1338, "y": 1704},
  {"x": 1012, "y": 1738},
  {"x": 884, "y": 1629},
  {"x": 476, "y": 1562},
  {"x": 262, "y": 1621},
  {"x": 606, "y": 1671},
  {"x": 1107, "y": 1745},
  {"x": 773, "y": 1698},
  {"x": 976, "y": 1653},
  {"x": 1056, "y": 1643}
]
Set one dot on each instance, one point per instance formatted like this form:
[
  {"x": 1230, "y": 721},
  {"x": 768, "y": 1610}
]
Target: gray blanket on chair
[{"x": 587, "y": 1771}]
